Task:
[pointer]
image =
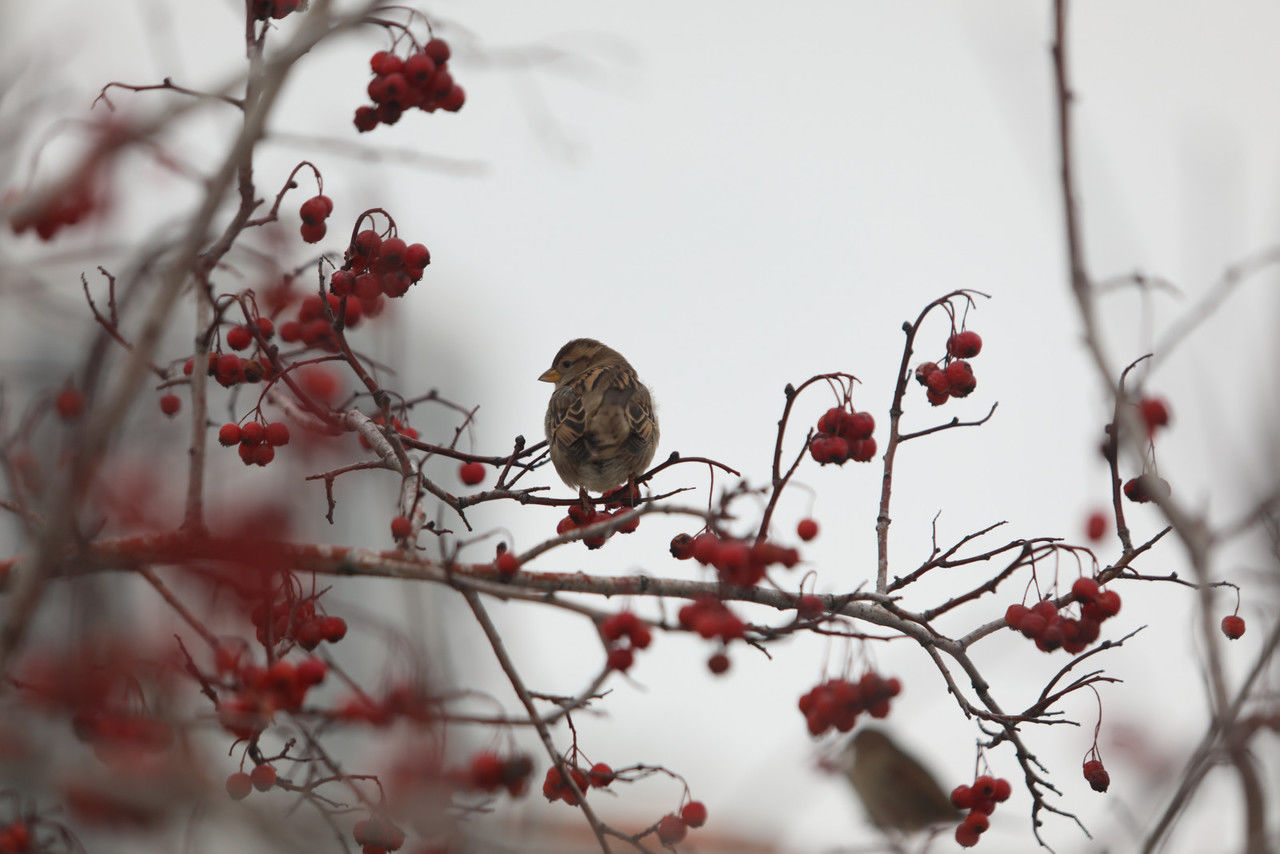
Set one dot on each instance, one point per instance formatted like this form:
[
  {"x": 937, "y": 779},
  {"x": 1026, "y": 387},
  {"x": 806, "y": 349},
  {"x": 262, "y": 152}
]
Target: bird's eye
[{"x": 567, "y": 363}]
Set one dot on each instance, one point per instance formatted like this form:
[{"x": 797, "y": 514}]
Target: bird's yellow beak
[{"x": 550, "y": 376}]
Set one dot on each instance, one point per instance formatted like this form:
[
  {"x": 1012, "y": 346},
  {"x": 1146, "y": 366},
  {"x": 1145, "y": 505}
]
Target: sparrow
[
  {"x": 898, "y": 793},
  {"x": 600, "y": 423}
]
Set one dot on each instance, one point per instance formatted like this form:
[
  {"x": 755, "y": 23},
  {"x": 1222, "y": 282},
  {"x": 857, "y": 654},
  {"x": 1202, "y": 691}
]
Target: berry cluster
[
  {"x": 257, "y": 441},
  {"x": 673, "y": 827},
  {"x": 240, "y": 784},
  {"x": 1044, "y": 624},
  {"x": 314, "y": 211},
  {"x": 69, "y": 209},
  {"x": 711, "y": 618},
  {"x": 583, "y": 517},
  {"x": 735, "y": 561},
  {"x": 1146, "y": 487},
  {"x": 627, "y": 625},
  {"x": 261, "y": 691},
  {"x": 843, "y": 435},
  {"x": 297, "y": 622},
  {"x": 488, "y": 772},
  {"x": 838, "y": 702},
  {"x": 556, "y": 788},
  {"x": 228, "y": 369},
  {"x": 954, "y": 378},
  {"x": 419, "y": 80},
  {"x": 375, "y": 267},
  {"x": 264, "y": 9},
  {"x": 980, "y": 800},
  {"x": 376, "y": 835},
  {"x": 1233, "y": 626},
  {"x": 312, "y": 327},
  {"x": 1096, "y": 775}
]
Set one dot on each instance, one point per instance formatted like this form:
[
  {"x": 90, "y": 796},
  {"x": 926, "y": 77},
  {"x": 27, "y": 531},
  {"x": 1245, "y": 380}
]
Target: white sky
[{"x": 740, "y": 195}]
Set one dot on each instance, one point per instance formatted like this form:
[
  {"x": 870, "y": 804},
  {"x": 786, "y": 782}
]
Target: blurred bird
[
  {"x": 898, "y": 793},
  {"x": 600, "y": 422}
]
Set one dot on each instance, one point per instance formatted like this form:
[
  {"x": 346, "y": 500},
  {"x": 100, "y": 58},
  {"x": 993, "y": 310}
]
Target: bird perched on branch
[
  {"x": 600, "y": 422},
  {"x": 898, "y": 793}
]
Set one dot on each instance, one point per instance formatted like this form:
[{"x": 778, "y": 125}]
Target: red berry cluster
[
  {"x": 264, "y": 9},
  {"x": 954, "y": 378},
  {"x": 627, "y": 625},
  {"x": 419, "y": 80},
  {"x": 1146, "y": 487},
  {"x": 312, "y": 326},
  {"x": 406, "y": 701},
  {"x": 583, "y": 517},
  {"x": 374, "y": 267},
  {"x": 555, "y": 788},
  {"x": 257, "y": 441},
  {"x": 673, "y": 828},
  {"x": 838, "y": 702},
  {"x": 471, "y": 473},
  {"x": 1155, "y": 414},
  {"x": 735, "y": 561},
  {"x": 15, "y": 837},
  {"x": 376, "y": 835},
  {"x": 980, "y": 800},
  {"x": 1044, "y": 624},
  {"x": 228, "y": 369},
  {"x": 314, "y": 211},
  {"x": 69, "y": 209},
  {"x": 711, "y": 618},
  {"x": 297, "y": 622},
  {"x": 488, "y": 772},
  {"x": 1096, "y": 774},
  {"x": 1233, "y": 626},
  {"x": 261, "y": 691},
  {"x": 843, "y": 435}
]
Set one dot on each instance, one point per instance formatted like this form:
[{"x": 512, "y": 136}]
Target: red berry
[
  {"x": 313, "y": 233},
  {"x": 1097, "y": 775},
  {"x": 984, "y": 787},
  {"x": 333, "y": 629},
  {"x": 401, "y": 527},
  {"x": 69, "y": 403},
  {"x": 962, "y": 797},
  {"x": 600, "y": 775},
  {"x": 239, "y": 785},
  {"x": 977, "y": 822},
  {"x": 438, "y": 50},
  {"x": 718, "y": 663},
  {"x": 418, "y": 68},
  {"x": 416, "y": 256},
  {"x": 1003, "y": 790},
  {"x": 1155, "y": 412},
  {"x": 366, "y": 119},
  {"x": 621, "y": 658},
  {"x": 809, "y": 607},
  {"x": 1233, "y": 626},
  {"x": 263, "y": 777},
  {"x": 1015, "y": 614},
  {"x": 1085, "y": 589},
  {"x": 964, "y": 345},
  {"x": 807, "y": 529},
  {"x": 1108, "y": 603},
  {"x": 239, "y": 337},
  {"x": 384, "y": 62},
  {"x": 471, "y": 473},
  {"x": 170, "y": 404},
  {"x": 315, "y": 210},
  {"x": 453, "y": 99},
  {"x": 1095, "y": 527},
  {"x": 862, "y": 425},
  {"x": 507, "y": 564},
  {"x": 277, "y": 433},
  {"x": 960, "y": 379},
  {"x": 966, "y": 835},
  {"x": 252, "y": 433},
  {"x": 671, "y": 829},
  {"x": 311, "y": 671},
  {"x": 694, "y": 813}
]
